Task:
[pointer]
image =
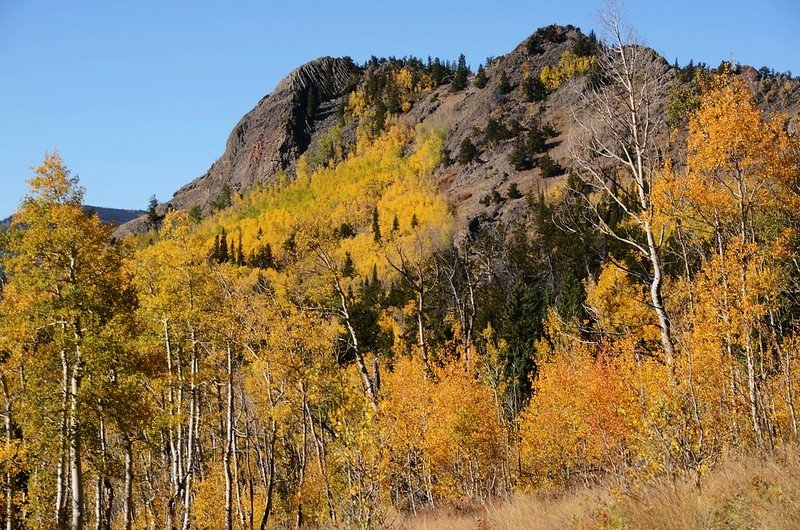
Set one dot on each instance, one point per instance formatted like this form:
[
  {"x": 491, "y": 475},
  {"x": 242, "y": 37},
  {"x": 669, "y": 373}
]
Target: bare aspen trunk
[
  {"x": 657, "y": 300},
  {"x": 370, "y": 388},
  {"x": 319, "y": 444},
  {"x": 192, "y": 442},
  {"x": 271, "y": 476},
  {"x": 229, "y": 443},
  {"x": 99, "y": 497},
  {"x": 423, "y": 346},
  {"x": 790, "y": 390},
  {"x": 9, "y": 487},
  {"x": 127, "y": 506},
  {"x": 61, "y": 473},
  {"x": 624, "y": 121},
  {"x": 76, "y": 471},
  {"x": 369, "y": 385}
]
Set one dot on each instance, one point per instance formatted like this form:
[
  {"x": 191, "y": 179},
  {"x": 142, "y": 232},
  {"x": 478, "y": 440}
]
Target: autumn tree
[
  {"x": 741, "y": 171},
  {"x": 71, "y": 285},
  {"x": 616, "y": 152}
]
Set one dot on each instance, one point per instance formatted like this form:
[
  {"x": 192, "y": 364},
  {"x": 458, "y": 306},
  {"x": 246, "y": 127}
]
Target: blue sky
[{"x": 139, "y": 97}]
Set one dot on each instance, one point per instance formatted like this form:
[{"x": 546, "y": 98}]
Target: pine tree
[
  {"x": 222, "y": 255},
  {"x": 152, "y": 216},
  {"x": 348, "y": 267},
  {"x": 504, "y": 86},
  {"x": 467, "y": 152},
  {"x": 480, "y": 78},
  {"x": 376, "y": 227},
  {"x": 549, "y": 167},
  {"x": 519, "y": 157},
  {"x": 215, "y": 249},
  {"x": 460, "y": 79},
  {"x": 533, "y": 89}
]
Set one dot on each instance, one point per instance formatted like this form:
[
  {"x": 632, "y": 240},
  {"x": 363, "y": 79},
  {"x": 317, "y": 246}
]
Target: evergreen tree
[
  {"x": 348, "y": 267},
  {"x": 585, "y": 46},
  {"x": 533, "y": 89},
  {"x": 196, "y": 213},
  {"x": 480, "y": 78},
  {"x": 519, "y": 158},
  {"x": 376, "y": 227},
  {"x": 152, "y": 216},
  {"x": 513, "y": 191},
  {"x": 223, "y": 198},
  {"x": 215, "y": 250},
  {"x": 496, "y": 131},
  {"x": 467, "y": 152},
  {"x": 222, "y": 254},
  {"x": 504, "y": 86},
  {"x": 550, "y": 167},
  {"x": 263, "y": 258},
  {"x": 536, "y": 139},
  {"x": 460, "y": 79},
  {"x": 393, "y": 103}
]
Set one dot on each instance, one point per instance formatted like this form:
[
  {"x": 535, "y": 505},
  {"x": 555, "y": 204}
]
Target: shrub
[{"x": 467, "y": 152}]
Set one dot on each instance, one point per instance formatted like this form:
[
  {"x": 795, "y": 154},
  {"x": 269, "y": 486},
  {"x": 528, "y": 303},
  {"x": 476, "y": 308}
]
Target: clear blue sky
[{"x": 139, "y": 97}]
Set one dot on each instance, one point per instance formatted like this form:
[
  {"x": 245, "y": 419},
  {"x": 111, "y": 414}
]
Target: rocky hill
[{"x": 493, "y": 113}]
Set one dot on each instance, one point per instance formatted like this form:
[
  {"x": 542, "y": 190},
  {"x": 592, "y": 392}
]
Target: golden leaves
[{"x": 569, "y": 65}]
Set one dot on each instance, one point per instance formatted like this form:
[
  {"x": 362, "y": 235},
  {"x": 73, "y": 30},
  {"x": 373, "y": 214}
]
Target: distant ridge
[{"x": 112, "y": 216}]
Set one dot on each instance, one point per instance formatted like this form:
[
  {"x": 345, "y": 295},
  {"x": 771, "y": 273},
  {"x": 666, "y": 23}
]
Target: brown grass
[{"x": 744, "y": 492}]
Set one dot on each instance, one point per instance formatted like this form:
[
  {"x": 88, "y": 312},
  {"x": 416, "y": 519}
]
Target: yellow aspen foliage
[
  {"x": 569, "y": 65},
  {"x": 580, "y": 421},
  {"x": 738, "y": 158},
  {"x": 357, "y": 103},
  {"x": 620, "y": 308},
  {"x": 443, "y": 436}
]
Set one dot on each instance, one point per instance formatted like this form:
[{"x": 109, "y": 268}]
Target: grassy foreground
[{"x": 744, "y": 492}]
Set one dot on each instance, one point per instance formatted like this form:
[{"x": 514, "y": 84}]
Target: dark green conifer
[
  {"x": 348, "y": 267},
  {"x": 467, "y": 152},
  {"x": 376, "y": 227},
  {"x": 480, "y": 78},
  {"x": 222, "y": 254},
  {"x": 504, "y": 86},
  {"x": 460, "y": 79}
]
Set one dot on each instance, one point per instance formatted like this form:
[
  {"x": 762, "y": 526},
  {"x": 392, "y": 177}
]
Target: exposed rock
[{"x": 271, "y": 137}]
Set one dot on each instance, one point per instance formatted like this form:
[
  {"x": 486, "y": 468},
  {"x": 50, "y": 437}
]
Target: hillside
[
  {"x": 562, "y": 288},
  {"x": 313, "y": 102}
]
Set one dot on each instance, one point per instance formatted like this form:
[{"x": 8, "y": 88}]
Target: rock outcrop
[{"x": 273, "y": 135}]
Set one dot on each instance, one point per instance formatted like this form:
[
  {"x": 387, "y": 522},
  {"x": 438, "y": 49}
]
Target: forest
[{"x": 331, "y": 349}]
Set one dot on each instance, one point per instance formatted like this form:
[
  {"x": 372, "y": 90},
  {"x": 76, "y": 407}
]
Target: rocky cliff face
[
  {"x": 273, "y": 135},
  {"x": 303, "y": 107}
]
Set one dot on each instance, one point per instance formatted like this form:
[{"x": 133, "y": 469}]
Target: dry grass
[{"x": 744, "y": 492}]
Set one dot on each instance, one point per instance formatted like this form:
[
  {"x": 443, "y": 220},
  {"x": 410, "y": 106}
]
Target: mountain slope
[{"x": 305, "y": 108}]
